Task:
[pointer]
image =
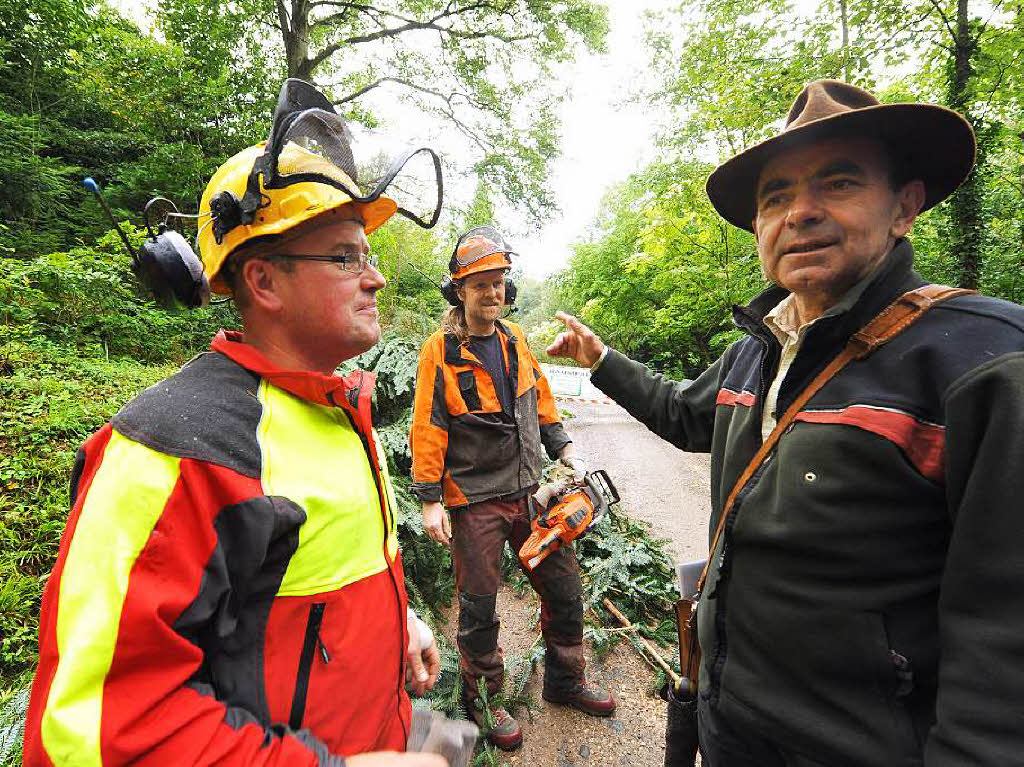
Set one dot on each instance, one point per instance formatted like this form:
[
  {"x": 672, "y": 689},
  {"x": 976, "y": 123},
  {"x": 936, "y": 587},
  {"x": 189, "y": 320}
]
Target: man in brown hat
[{"x": 864, "y": 604}]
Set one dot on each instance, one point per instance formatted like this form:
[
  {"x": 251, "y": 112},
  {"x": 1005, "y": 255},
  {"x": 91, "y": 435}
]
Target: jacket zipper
[
  {"x": 382, "y": 497},
  {"x": 310, "y": 643},
  {"x": 720, "y": 591}
]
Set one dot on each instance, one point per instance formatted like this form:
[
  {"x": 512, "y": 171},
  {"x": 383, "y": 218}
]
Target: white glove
[
  {"x": 422, "y": 629},
  {"x": 577, "y": 465}
]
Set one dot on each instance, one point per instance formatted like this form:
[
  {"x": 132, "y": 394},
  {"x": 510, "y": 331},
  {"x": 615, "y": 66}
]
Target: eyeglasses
[{"x": 350, "y": 262}]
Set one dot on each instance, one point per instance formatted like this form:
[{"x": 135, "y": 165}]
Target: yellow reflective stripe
[
  {"x": 126, "y": 498},
  {"x": 389, "y": 495},
  {"x": 313, "y": 456}
]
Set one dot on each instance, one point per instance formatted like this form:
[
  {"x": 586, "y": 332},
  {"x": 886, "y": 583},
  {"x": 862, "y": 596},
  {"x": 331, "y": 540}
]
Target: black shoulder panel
[{"x": 207, "y": 411}]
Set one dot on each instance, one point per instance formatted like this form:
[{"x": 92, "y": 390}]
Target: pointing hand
[{"x": 576, "y": 342}]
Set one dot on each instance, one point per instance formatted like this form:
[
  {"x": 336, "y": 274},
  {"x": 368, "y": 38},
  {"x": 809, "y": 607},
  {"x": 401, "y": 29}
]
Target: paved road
[{"x": 657, "y": 482}]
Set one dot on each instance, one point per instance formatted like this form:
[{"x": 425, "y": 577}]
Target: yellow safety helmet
[{"x": 281, "y": 209}]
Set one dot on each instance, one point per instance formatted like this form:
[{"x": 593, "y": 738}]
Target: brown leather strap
[{"x": 892, "y": 321}]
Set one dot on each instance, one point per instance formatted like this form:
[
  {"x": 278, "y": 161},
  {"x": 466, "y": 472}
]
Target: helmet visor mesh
[
  {"x": 310, "y": 142},
  {"x": 479, "y": 242}
]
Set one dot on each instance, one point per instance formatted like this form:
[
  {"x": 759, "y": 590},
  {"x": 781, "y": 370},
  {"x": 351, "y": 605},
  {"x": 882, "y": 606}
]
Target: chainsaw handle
[
  {"x": 540, "y": 500},
  {"x": 598, "y": 495},
  {"x": 601, "y": 487}
]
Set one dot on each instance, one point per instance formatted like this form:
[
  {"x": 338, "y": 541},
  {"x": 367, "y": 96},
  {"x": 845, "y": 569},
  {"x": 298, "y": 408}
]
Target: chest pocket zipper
[{"x": 310, "y": 644}]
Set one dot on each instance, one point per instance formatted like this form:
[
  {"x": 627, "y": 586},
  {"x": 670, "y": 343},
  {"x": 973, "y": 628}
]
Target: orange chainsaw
[{"x": 561, "y": 512}]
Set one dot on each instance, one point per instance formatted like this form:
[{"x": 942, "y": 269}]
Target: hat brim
[{"x": 937, "y": 144}]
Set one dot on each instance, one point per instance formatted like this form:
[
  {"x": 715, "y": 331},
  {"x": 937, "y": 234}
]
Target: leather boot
[
  {"x": 587, "y": 698},
  {"x": 506, "y": 733}
]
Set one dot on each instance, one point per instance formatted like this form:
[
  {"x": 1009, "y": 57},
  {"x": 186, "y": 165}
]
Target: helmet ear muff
[
  {"x": 510, "y": 291},
  {"x": 450, "y": 291},
  {"x": 168, "y": 267}
]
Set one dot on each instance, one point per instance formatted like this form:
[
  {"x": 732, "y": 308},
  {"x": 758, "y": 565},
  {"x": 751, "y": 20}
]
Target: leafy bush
[{"x": 86, "y": 300}]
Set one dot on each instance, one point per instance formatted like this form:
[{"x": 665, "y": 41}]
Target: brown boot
[
  {"x": 587, "y": 698},
  {"x": 506, "y": 733}
]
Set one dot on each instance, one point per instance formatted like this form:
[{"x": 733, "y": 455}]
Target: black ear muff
[
  {"x": 168, "y": 267},
  {"x": 510, "y": 291},
  {"x": 449, "y": 289}
]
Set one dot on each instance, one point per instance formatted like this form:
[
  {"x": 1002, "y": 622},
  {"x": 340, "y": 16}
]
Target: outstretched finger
[
  {"x": 558, "y": 346},
  {"x": 571, "y": 322}
]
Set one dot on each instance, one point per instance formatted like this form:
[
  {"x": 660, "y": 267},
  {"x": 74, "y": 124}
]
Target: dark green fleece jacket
[{"x": 866, "y": 603}]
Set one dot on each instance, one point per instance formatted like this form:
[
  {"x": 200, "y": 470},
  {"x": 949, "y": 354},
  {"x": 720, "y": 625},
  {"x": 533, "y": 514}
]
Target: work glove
[
  {"x": 544, "y": 495},
  {"x": 577, "y": 465}
]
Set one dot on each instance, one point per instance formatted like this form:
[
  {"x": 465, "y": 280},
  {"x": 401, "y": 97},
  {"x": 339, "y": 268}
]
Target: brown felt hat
[{"x": 935, "y": 144}]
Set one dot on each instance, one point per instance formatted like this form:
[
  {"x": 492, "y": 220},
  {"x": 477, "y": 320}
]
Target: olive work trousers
[{"x": 479, "y": 532}]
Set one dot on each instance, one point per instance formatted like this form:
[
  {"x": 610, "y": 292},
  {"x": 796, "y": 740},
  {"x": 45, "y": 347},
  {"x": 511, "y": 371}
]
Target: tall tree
[{"x": 487, "y": 68}]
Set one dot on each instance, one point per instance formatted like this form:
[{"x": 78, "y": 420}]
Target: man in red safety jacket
[{"x": 229, "y": 587}]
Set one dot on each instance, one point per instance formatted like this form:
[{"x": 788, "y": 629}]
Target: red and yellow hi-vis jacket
[
  {"x": 229, "y": 588},
  {"x": 463, "y": 444}
]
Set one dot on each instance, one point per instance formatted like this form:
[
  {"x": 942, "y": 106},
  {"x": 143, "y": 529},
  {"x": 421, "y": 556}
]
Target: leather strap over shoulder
[
  {"x": 900, "y": 314},
  {"x": 889, "y": 323}
]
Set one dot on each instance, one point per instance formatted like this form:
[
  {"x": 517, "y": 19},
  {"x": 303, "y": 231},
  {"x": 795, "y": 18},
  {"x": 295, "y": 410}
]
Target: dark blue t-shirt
[{"x": 488, "y": 350}]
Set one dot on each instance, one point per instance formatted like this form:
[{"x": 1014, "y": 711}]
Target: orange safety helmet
[{"x": 481, "y": 249}]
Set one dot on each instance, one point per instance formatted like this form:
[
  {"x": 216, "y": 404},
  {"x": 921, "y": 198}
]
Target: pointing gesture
[{"x": 577, "y": 341}]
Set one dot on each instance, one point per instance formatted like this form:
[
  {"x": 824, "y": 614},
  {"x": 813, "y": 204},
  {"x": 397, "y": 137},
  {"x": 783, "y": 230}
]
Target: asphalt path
[{"x": 658, "y": 483}]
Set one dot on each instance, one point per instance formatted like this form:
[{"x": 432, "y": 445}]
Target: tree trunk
[
  {"x": 965, "y": 211},
  {"x": 846, "y": 39},
  {"x": 295, "y": 31}
]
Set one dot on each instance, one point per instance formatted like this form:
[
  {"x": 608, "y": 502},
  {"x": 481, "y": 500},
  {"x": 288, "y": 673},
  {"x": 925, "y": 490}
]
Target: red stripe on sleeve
[{"x": 731, "y": 398}]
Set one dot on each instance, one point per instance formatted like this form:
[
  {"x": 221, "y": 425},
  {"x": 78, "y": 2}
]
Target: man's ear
[
  {"x": 262, "y": 283},
  {"x": 909, "y": 201}
]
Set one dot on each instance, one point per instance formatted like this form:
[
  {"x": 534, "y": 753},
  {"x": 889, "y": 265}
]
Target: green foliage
[
  {"x": 411, "y": 305},
  {"x": 486, "y": 73},
  {"x": 86, "y": 299},
  {"x": 728, "y": 78},
  {"x": 85, "y": 92},
  {"x": 12, "y": 724},
  {"x": 78, "y": 340},
  {"x": 52, "y": 399}
]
